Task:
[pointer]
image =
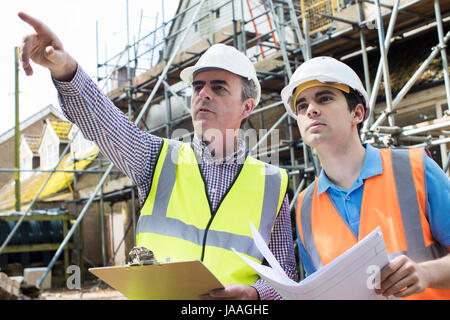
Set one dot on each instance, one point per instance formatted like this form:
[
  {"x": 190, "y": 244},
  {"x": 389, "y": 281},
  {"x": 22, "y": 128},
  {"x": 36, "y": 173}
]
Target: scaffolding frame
[{"x": 296, "y": 157}]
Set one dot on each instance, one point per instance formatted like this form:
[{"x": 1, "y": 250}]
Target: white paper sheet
[{"x": 348, "y": 277}]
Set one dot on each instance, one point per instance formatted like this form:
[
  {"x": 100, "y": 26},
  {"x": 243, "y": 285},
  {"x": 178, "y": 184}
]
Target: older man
[{"x": 196, "y": 199}]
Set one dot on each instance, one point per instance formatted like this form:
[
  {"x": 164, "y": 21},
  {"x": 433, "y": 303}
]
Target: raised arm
[{"x": 132, "y": 150}]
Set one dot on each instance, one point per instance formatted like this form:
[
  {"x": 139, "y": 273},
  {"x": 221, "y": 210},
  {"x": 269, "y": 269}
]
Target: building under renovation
[{"x": 397, "y": 47}]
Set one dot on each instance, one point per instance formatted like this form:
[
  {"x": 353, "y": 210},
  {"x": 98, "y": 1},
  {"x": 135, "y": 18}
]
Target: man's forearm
[
  {"x": 132, "y": 150},
  {"x": 438, "y": 272}
]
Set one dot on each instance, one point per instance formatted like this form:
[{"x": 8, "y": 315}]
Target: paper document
[{"x": 347, "y": 277}]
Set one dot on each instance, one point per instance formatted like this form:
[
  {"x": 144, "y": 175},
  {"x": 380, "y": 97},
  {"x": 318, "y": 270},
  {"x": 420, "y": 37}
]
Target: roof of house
[
  {"x": 58, "y": 182},
  {"x": 62, "y": 128},
  {"x": 33, "y": 142},
  {"x": 38, "y": 116}
]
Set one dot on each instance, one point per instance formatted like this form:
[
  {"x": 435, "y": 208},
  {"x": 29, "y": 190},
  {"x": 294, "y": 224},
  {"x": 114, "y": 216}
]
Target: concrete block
[{"x": 33, "y": 275}]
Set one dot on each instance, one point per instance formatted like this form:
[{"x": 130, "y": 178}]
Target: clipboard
[{"x": 178, "y": 280}]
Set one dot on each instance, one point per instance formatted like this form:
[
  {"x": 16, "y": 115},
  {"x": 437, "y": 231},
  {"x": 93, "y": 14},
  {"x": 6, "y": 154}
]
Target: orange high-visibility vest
[{"x": 395, "y": 200}]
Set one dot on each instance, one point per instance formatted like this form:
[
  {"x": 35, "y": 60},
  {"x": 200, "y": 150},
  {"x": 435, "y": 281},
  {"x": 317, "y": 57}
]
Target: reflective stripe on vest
[
  {"x": 394, "y": 200},
  {"x": 417, "y": 250},
  {"x": 155, "y": 217},
  {"x": 305, "y": 222}
]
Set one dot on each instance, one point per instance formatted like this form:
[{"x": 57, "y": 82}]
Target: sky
[{"x": 74, "y": 22}]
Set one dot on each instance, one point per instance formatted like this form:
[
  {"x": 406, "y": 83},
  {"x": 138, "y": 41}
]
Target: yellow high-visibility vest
[{"x": 178, "y": 223}]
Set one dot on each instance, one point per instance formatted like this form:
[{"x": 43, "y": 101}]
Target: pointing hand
[{"x": 44, "y": 48}]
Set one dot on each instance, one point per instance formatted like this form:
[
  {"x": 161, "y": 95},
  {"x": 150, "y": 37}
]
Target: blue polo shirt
[{"x": 348, "y": 202}]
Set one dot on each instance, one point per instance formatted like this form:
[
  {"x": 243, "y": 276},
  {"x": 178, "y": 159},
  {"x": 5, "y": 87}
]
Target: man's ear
[
  {"x": 358, "y": 114},
  {"x": 249, "y": 105}
]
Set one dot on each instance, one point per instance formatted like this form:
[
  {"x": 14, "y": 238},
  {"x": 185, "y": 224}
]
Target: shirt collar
[
  {"x": 201, "y": 149},
  {"x": 372, "y": 166}
]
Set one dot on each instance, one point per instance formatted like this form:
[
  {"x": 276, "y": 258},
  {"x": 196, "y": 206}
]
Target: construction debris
[
  {"x": 15, "y": 288},
  {"x": 9, "y": 289},
  {"x": 141, "y": 256},
  {"x": 29, "y": 291}
]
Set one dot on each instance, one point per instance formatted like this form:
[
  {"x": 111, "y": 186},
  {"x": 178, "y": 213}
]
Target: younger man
[{"x": 360, "y": 188}]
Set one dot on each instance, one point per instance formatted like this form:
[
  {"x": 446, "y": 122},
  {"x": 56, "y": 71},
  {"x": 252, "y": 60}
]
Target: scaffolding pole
[
  {"x": 377, "y": 82},
  {"x": 442, "y": 45},
  {"x": 16, "y": 131}
]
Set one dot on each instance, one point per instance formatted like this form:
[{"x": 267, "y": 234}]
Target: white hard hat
[
  {"x": 220, "y": 56},
  {"x": 326, "y": 70}
]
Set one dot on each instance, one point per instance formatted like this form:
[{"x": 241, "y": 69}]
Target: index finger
[
  {"x": 37, "y": 25},
  {"x": 392, "y": 267}
]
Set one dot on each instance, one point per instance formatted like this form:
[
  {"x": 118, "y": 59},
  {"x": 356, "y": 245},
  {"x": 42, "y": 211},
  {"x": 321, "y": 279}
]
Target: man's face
[
  {"x": 217, "y": 102},
  {"x": 323, "y": 116}
]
